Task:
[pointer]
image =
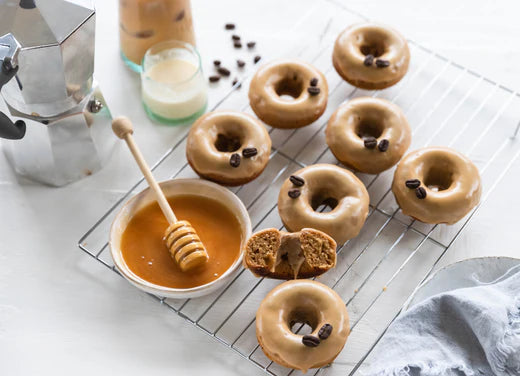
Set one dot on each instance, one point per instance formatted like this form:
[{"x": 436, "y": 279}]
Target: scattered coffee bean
[
  {"x": 241, "y": 63},
  {"x": 325, "y": 331},
  {"x": 251, "y": 44},
  {"x": 235, "y": 37},
  {"x": 180, "y": 15},
  {"x": 234, "y": 161},
  {"x": 223, "y": 71},
  {"x": 249, "y": 152},
  {"x": 296, "y": 180},
  {"x": 380, "y": 63},
  {"x": 214, "y": 78},
  {"x": 257, "y": 58},
  {"x": 216, "y": 63},
  {"x": 237, "y": 44},
  {"x": 313, "y": 90},
  {"x": 230, "y": 26},
  {"x": 420, "y": 192},
  {"x": 294, "y": 193},
  {"x": 413, "y": 183},
  {"x": 235, "y": 81},
  {"x": 310, "y": 341},
  {"x": 314, "y": 81},
  {"x": 370, "y": 142},
  {"x": 383, "y": 145},
  {"x": 369, "y": 60}
]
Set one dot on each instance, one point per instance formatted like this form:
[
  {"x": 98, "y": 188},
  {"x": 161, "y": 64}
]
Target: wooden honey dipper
[{"x": 181, "y": 239}]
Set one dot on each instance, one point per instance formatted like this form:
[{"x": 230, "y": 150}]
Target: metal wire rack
[{"x": 445, "y": 103}]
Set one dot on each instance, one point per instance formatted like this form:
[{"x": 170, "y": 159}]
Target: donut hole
[
  {"x": 438, "y": 178},
  {"x": 227, "y": 143},
  {"x": 289, "y": 88},
  {"x": 375, "y": 49},
  {"x": 366, "y": 128},
  {"x": 322, "y": 204},
  {"x": 303, "y": 320},
  {"x": 301, "y": 328}
]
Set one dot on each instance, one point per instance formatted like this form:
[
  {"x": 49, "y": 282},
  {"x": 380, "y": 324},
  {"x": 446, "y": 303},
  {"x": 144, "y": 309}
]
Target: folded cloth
[{"x": 468, "y": 331}]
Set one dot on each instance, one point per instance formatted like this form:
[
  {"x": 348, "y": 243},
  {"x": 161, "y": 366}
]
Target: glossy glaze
[
  {"x": 350, "y": 51},
  {"x": 273, "y": 81},
  {"x": 322, "y": 182},
  {"x": 209, "y": 162},
  {"x": 301, "y": 301},
  {"x": 368, "y": 116},
  {"x": 451, "y": 181}
]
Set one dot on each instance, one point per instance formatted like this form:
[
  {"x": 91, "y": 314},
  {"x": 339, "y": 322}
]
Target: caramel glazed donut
[
  {"x": 324, "y": 184},
  {"x": 228, "y": 147},
  {"x": 436, "y": 185},
  {"x": 302, "y": 301},
  {"x": 371, "y": 56},
  {"x": 368, "y": 134},
  {"x": 305, "y": 84}
]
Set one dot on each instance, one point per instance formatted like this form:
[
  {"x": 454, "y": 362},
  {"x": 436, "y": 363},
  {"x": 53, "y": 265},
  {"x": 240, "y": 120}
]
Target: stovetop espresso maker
[{"x": 54, "y": 119}]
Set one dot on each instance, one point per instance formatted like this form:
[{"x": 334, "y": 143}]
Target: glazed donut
[
  {"x": 302, "y": 301},
  {"x": 324, "y": 184},
  {"x": 305, "y": 84},
  {"x": 436, "y": 185},
  {"x": 228, "y": 147},
  {"x": 368, "y": 134},
  {"x": 371, "y": 56}
]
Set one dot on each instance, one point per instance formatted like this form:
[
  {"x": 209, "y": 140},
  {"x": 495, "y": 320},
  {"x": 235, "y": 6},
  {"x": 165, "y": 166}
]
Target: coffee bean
[
  {"x": 235, "y": 81},
  {"x": 296, "y": 180},
  {"x": 234, "y": 161},
  {"x": 369, "y": 60},
  {"x": 313, "y": 90},
  {"x": 251, "y": 44},
  {"x": 216, "y": 63},
  {"x": 380, "y": 63},
  {"x": 310, "y": 341},
  {"x": 249, "y": 152},
  {"x": 383, "y": 145},
  {"x": 237, "y": 45},
  {"x": 370, "y": 142},
  {"x": 214, "y": 78},
  {"x": 230, "y": 26},
  {"x": 223, "y": 71},
  {"x": 413, "y": 183},
  {"x": 241, "y": 63},
  {"x": 235, "y": 37},
  {"x": 314, "y": 81},
  {"x": 294, "y": 193},
  {"x": 420, "y": 192},
  {"x": 257, "y": 58},
  {"x": 325, "y": 331},
  {"x": 180, "y": 15}
]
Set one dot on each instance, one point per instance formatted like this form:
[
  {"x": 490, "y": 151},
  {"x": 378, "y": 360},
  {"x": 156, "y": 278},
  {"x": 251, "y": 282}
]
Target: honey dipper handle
[{"x": 123, "y": 129}]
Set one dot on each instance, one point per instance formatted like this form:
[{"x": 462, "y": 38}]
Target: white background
[{"x": 61, "y": 313}]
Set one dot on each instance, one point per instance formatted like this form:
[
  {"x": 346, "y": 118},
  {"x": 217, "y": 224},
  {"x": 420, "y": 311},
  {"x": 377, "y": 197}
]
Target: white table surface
[{"x": 62, "y": 313}]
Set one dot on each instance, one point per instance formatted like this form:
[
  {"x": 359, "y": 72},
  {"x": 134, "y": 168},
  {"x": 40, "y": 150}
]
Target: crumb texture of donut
[{"x": 278, "y": 254}]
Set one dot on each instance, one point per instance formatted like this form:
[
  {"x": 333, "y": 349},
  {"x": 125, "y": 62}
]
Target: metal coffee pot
[{"x": 55, "y": 122}]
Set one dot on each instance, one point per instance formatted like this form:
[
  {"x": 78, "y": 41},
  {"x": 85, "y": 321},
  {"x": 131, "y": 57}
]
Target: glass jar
[
  {"x": 173, "y": 87},
  {"x": 144, "y": 23}
]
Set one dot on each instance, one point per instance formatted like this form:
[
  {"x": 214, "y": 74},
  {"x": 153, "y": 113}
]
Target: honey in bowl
[{"x": 145, "y": 253}]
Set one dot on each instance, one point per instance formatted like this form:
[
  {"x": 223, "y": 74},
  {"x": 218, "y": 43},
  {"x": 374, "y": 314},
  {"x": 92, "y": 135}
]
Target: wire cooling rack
[{"x": 445, "y": 103}]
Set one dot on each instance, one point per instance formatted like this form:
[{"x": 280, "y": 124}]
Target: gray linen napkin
[{"x": 469, "y": 331}]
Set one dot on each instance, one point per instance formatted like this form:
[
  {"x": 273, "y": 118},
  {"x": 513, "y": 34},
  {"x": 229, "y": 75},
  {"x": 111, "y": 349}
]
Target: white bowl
[{"x": 176, "y": 187}]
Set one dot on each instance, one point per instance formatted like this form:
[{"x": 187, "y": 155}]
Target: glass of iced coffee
[{"x": 144, "y": 23}]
